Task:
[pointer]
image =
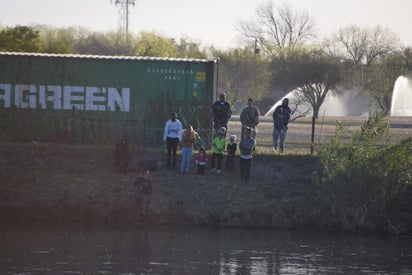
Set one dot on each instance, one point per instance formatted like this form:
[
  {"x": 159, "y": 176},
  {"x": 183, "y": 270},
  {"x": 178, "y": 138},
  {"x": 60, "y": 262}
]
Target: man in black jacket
[
  {"x": 221, "y": 112},
  {"x": 281, "y": 117}
]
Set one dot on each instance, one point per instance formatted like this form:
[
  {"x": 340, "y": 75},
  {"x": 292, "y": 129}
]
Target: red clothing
[{"x": 201, "y": 159}]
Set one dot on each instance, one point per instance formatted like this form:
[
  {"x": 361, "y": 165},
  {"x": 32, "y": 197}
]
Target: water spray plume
[
  {"x": 402, "y": 97},
  {"x": 350, "y": 103}
]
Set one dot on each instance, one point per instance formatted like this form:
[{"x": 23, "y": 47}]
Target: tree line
[{"x": 279, "y": 51}]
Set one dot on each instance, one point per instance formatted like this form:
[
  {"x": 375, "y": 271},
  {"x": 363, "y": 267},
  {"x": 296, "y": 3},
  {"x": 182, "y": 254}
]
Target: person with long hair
[{"x": 187, "y": 139}]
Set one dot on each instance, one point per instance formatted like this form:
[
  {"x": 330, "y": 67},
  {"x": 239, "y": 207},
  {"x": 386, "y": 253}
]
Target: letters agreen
[{"x": 56, "y": 97}]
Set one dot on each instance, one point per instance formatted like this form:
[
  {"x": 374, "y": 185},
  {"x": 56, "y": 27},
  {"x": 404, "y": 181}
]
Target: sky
[{"x": 208, "y": 22}]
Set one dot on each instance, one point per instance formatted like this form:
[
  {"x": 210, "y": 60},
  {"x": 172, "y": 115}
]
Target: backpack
[{"x": 246, "y": 147}]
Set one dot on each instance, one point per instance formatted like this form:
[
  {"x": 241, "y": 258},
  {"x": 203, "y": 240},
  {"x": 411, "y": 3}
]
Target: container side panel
[{"x": 100, "y": 99}]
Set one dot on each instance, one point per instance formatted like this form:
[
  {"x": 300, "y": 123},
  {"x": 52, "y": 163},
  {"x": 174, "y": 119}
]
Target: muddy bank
[{"x": 76, "y": 183}]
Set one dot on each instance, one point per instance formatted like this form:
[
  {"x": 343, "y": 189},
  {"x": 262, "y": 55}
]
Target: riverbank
[
  {"x": 76, "y": 183},
  {"x": 72, "y": 183}
]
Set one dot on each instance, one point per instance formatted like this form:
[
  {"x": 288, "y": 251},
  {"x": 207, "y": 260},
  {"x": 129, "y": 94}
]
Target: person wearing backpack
[{"x": 247, "y": 147}]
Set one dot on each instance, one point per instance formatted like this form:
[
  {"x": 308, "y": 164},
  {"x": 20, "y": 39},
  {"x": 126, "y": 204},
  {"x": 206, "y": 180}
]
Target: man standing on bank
[
  {"x": 281, "y": 117},
  {"x": 221, "y": 113},
  {"x": 171, "y": 136},
  {"x": 249, "y": 117}
]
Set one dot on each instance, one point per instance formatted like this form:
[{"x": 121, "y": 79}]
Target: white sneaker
[{"x": 218, "y": 171}]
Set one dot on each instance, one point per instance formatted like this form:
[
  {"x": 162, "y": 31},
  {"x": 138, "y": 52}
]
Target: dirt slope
[{"x": 76, "y": 183}]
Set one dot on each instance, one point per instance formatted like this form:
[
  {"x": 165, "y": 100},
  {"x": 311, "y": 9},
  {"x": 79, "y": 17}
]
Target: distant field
[{"x": 298, "y": 138}]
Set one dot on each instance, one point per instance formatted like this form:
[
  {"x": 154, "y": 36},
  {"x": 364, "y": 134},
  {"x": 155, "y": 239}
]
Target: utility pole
[{"x": 124, "y": 14}]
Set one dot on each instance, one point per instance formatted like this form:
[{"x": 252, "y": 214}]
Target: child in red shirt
[{"x": 201, "y": 160}]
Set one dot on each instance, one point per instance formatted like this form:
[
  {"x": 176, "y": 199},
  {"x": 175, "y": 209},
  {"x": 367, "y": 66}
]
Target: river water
[{"x": 143, "y": 249}]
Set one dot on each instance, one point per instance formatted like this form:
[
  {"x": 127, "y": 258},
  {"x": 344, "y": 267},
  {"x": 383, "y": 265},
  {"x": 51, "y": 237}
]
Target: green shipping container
[{"x": 85, "y": 98}]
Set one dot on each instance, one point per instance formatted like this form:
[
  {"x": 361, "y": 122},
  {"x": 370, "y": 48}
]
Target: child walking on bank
[{"x": 201, "y": 161}]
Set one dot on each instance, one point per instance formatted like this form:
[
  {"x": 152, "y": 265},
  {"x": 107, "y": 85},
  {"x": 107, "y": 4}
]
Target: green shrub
[{"x": 359, "y": 178}]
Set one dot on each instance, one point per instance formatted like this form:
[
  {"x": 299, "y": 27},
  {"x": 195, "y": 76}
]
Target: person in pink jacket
[{"x": 201, "y": 161}]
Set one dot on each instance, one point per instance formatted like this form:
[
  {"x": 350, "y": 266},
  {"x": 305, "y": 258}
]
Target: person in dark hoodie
[
  {"x": 281, "y": 117},
  {"x": 221, "y": 113}
]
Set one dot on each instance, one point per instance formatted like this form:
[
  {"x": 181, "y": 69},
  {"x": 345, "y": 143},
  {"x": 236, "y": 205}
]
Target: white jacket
[{"x": 172, "y": 129}]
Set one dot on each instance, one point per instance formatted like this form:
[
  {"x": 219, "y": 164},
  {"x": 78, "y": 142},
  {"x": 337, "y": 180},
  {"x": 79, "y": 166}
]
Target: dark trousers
[
  {"x": 230, "y": 161},
  {"x": 245, "y": 165},
  {"x": 171, "y": 148},
  {"x": 201, "y": 169},
  {"x": 217, "y": 158}
]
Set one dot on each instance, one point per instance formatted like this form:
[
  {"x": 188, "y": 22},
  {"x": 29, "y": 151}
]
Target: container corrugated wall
[{"x": 102, "y": 99}]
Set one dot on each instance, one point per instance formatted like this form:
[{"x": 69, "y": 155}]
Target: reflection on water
[{"x": 186, "y": 250}]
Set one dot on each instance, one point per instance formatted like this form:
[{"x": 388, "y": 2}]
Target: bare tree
[
  {"x": 365, "y": 53},
  {"x": 242, "y": 74},
  {"x": 362, "y": 45},
  {"x": 312, "y": 74},
  {"x": 300, "y": 106},
  {"x": 278, "y": 29}
]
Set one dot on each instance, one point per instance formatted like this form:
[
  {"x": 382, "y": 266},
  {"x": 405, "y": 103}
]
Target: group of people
[
  {"x": 249, "y": 118},
  {"x": 175, "y": 135}
]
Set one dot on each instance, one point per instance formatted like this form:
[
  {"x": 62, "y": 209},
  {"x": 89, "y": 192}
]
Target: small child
[
  {"x": 231, "y": 151},
  {"x": 144, "y": 185},
  {"x": 201, "y": 160},
  {"x": 247, "y": 147},
  {"x": 219, "y": 145}
]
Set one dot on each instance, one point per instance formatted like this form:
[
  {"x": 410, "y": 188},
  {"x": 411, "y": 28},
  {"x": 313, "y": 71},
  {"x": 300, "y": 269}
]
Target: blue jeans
[
  {"x": 144, "y": 202},
  {"x": 186, "y": 159},
  {"x": 276, "y": 134}
]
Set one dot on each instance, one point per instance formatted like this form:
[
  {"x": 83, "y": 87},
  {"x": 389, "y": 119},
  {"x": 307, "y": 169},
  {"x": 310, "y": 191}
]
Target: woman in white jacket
[{"x": 171, "y": 136}]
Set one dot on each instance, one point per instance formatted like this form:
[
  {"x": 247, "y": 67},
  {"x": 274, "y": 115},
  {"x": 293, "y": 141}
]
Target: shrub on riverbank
[{"x": 361, "y": 180}]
